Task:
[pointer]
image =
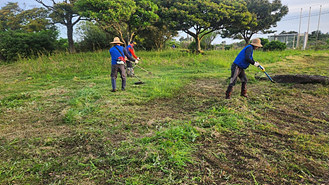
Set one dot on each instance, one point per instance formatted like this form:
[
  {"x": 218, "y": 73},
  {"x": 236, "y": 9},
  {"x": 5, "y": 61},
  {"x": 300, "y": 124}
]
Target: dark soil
[{"x": 301, "y": 79}]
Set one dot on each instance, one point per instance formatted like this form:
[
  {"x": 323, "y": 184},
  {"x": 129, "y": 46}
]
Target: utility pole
[
  {"x": 317, "y": 34},
  {"x": 308, "y": 30},
  {"x": 300, "y": 22}
]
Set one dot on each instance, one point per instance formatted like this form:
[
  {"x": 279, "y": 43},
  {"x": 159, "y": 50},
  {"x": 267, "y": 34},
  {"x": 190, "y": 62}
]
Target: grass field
[{"x": 60, "y": 124}]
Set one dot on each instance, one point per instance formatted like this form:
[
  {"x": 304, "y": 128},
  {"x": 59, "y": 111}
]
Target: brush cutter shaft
[
  {"x": 268, "y": 76},
  {"x": 143, "y": 69},
  {"x": 262, "y": 68}
]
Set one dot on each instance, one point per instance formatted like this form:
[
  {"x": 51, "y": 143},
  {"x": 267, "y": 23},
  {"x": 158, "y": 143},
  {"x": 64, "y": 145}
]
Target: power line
[
  {"x": 303, "y": 16},
  {"x": 313, "y": 5}
]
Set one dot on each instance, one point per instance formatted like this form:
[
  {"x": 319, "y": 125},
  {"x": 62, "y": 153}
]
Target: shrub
[
  {"x": 264, "y": 41},
  {"x": 16, "y": 44},
  {"x": 62, "y": 44},
  {"x": 275, "y": 45}
]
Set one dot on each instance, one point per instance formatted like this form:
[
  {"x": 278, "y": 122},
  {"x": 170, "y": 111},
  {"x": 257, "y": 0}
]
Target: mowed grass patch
[{"x": 61, "y": 124}]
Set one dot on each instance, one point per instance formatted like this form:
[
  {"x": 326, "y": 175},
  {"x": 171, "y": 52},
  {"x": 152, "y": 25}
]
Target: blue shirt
[
  {"x": 115, "y": 54},
  {"x": 245, "y": 58}
]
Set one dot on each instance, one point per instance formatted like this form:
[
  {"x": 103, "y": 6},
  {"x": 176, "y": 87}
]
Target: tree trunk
[
  {"x": 70, "y": 38},
  {"x": 246, "y": 39},
  {"x": 198, "y": 44}
]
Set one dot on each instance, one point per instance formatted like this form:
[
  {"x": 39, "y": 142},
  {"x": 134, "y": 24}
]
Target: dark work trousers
[
  {"x": 236, "y": 72},
  {"x": 114, "y": 74}
]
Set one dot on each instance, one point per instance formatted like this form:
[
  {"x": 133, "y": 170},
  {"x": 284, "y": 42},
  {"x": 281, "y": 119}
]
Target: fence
[{"x": 291, "y": 40}]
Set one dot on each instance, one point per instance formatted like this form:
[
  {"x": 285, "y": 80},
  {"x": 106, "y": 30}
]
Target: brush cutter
[
  {"x": 268, "y": 76},
  {"x": 139, "y": 81}
]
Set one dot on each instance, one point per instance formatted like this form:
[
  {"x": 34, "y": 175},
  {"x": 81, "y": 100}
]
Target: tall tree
[
  {"x": 64, "y": 13},
  {"x": 111, "y": 15},
  {"x": 14, "y": 18},
  {"x": 155, "y": 36},
  {"x": 266, "y": 15},
  {"x": 121, "y": 17},
  {"x": 8, "y": 19},
  {"x": 92, "y": 36},
  {"x": 201, "y": 17},
  {"x": 145, "y": 15}
]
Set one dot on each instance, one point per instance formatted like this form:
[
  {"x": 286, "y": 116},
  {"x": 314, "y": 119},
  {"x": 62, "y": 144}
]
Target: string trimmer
[
  {"x": 268, "y": 76},
  {"x": 139, "y": 80}
]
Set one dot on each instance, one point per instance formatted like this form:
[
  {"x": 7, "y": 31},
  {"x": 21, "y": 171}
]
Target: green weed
[
  {"x": 221, "y": 118},
  {"x": 82, "y": 104},
  {"x": 170, "y": 147},
  {"x": 15, "y": 100}
]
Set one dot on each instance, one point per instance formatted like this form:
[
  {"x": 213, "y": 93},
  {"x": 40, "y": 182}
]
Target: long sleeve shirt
[
  {"x": 245, "y": 57},
  {"x": 115, "y": 54},
  {"x": 131, "y": 51},
  {"x": 248, "y": 55}
]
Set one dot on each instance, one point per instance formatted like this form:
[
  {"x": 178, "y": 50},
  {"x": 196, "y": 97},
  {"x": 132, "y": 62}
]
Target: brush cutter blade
[{"x": 138, "y": 83}]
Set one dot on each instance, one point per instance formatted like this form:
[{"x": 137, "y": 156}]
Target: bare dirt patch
[{"x": 300, "y": 79}]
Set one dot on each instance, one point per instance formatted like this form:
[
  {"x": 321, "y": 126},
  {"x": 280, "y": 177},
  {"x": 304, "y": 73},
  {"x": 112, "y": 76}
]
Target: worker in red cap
[{"x": 131, "y": 52}]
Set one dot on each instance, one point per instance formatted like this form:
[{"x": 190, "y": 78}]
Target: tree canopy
[
  {"x": 201, "y": 17},
  {"x": 65, "y": 13},
  {"x": 121, "y": 17},
  {"x": 14, "y": 18},
  {"x": 265, "y": 16}
]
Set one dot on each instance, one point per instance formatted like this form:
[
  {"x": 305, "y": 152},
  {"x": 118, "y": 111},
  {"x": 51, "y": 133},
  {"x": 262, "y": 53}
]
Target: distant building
[{"x": 291, "y": 40}]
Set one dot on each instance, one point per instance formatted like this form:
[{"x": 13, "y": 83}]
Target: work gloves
[
  {"x": 137, "y": 60},
  {"x": 258, "y": 65}
]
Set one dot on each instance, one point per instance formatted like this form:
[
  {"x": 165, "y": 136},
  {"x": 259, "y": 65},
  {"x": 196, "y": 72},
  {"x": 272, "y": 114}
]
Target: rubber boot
[
  {"x": 228, "y": 92},
  {"x": 114, "y": 85},
  {"x": 244, "y": 89},
  {"x": 123, "y": 86}
]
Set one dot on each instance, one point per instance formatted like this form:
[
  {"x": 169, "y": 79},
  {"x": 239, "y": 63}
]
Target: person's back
[
  {"x": 117, "y": 64},
  {"x": 116, "y": 53}
]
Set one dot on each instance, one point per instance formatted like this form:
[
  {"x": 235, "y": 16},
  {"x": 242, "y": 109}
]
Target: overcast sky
[{"x": 288, "y": 23}]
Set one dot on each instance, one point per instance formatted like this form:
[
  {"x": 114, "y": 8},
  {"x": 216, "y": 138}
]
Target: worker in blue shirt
[
  {"x": 118, "y": 55},
  {"x": 242, "y": 62}
]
